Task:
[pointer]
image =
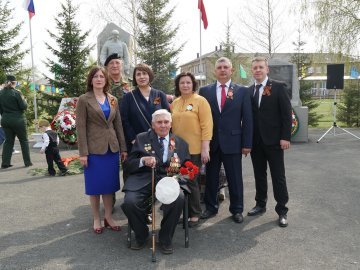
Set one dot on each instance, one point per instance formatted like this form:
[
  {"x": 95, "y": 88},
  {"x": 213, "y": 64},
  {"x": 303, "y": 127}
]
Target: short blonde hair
[
  {"x": 43, "y": 123},
  {"x": 260, "y": 59}
]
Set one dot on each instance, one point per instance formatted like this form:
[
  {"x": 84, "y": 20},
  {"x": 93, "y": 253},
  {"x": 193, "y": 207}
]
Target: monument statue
[{"x": 115, "y": 45}]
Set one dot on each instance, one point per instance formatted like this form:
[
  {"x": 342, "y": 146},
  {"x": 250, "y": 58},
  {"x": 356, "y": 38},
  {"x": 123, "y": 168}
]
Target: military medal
[{"x": 147, "y": 147}]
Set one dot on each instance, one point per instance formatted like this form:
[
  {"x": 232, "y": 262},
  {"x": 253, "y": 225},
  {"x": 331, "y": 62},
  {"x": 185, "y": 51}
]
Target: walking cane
[{"x": 153, "y": 213}]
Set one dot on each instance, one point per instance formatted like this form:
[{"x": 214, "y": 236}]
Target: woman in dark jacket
[{"x": 138, "y": 105}]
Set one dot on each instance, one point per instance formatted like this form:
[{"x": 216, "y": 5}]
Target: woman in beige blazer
[{"x": 101, "y": 144}]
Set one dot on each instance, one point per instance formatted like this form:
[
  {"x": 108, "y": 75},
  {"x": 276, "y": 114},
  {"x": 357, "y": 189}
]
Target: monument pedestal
[{"x": 301, "y": 135}]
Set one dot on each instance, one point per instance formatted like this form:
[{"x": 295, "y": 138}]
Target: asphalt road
[{"x": 45, "y": 223}]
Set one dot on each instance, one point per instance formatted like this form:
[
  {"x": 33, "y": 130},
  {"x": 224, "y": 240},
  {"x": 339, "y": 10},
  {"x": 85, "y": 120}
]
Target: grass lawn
[{"x": 326, "y": 111}]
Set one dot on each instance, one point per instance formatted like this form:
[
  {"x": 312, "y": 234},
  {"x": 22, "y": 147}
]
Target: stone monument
[
  {"x": 286, "y": 72},
  {"x": 115, "y": 40}
]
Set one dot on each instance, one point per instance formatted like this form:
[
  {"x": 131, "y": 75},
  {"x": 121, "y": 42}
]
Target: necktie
[
  {"x": 223, "y": 96},
  {"x": 256, "y": 95},
  {"x": 162, "y": 147}
]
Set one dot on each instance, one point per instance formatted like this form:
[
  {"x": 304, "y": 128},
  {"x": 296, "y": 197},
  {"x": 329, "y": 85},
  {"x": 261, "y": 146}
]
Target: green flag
[{"x": 242, "y": 72}]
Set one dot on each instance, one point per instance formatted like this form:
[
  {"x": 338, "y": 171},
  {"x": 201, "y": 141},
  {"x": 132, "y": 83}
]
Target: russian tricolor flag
[{"x": 29, "y": 6}]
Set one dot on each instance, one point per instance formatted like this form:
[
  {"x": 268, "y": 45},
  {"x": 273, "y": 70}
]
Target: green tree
[
  {"x": 69, "y": 69},
  {"x": 155, "y": 42},
  {"x": 349, "y": 109},
  {"x": 302, "y": 62},
  {"x": 10, "y": 51},
  {"x": 308, "y": 101},
  {"x": 337, "y": 22}
]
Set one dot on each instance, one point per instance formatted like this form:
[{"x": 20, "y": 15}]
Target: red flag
[{"x": 203, "y": 13}]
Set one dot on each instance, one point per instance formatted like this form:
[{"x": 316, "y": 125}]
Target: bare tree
[{"x": 262, "y": 23}]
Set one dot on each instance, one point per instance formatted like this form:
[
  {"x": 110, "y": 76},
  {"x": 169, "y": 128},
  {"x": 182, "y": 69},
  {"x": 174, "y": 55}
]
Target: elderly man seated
[{"x": 153, "y": 149}]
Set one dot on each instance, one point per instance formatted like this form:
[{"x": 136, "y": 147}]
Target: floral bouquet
[
  {"x": 182, "y": 173},
  {"x": 64, "y": 124}
]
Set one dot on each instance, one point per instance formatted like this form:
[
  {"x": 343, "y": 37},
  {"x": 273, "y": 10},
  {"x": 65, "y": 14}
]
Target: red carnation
[
  {"x": 188, "y": 164},
  {"x": 191, "y": 175},
  {"x": 183, "y": 171},
  {"x": 195, "y": 169}
]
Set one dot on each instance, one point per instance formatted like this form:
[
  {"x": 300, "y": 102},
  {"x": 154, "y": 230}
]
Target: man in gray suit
[{"x": 153, "y": 149}]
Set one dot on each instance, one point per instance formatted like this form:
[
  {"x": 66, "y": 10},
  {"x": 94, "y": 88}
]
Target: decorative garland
[
  {"x": 64, "y": 123},
  {"x": 294, "y": 123}
]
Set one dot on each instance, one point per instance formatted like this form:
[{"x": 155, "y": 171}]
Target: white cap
[{"x": 167, "y": 190}]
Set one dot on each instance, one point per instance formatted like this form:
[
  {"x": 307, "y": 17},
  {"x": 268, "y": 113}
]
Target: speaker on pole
[{"x": 335, "y": 76}]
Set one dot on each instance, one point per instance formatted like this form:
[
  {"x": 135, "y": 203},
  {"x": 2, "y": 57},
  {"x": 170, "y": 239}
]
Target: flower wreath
[
  {"x": 294, "y": 123},
  {"x": 64, "y": 123}
]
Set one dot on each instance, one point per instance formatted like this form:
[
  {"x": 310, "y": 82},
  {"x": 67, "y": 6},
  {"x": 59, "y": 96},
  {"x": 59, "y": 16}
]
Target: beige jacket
[{"x": 96, "y": 134}]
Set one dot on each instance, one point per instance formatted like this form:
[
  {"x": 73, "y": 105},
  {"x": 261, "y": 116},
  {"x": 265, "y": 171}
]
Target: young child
[{"x": 50, "y": 148}]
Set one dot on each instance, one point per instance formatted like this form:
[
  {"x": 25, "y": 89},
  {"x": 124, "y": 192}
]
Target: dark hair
[
  {"x": 93, "y": 71},
  {"x": 177, "y": 82},
  {"x": 145, "y": 68}
]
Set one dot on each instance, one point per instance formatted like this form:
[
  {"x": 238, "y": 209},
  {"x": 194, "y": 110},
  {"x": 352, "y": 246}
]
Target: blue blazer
[
  {"x": 132, "y": 120},
  {"x": 233, "y": 127}
]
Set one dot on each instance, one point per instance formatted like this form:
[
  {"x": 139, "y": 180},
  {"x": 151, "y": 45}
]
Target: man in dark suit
[
  {"x": 148, "y": 153},
  {"x": 232, "y": 136},
  {"x": 272, "y": 132}
]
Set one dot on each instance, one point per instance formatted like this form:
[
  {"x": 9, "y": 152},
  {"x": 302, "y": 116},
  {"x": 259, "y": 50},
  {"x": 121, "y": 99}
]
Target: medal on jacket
[
  {"x": 147, "y": 147},
  {"x": 174, "y": 166}
]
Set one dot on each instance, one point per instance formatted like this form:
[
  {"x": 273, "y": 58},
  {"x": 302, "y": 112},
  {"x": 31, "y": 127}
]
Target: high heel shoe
[
  {"x": 114, "y": 228},
  {"x": 98, "y": 230}
]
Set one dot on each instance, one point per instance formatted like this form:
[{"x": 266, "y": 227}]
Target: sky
[{"x": 186, "y": 15}]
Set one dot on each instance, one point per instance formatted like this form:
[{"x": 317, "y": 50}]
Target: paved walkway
[{"x": 46, "y": 222}]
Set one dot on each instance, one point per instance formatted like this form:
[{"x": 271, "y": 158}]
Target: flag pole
[
  {"x": 33, "y": 76},
  {"x": 200, "y": 66}
]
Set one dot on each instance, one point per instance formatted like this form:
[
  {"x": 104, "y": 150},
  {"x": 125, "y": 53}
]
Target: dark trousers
[
  {"x": 135, "y": 208},
  {"x": 53, "y": 155},
  {"x": 261, "y": 155},
  {"x": 233, "y": 170},
  {"x": 15, "y": 127},
  {"x": 194, "y": 197}
]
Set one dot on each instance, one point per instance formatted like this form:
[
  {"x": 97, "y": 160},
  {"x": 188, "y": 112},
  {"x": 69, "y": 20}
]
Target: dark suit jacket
[
  {"x": 272, "y": 120},
  {"x": 140, "y": 177},
  {"x": 233, "y": 126},
  {"x": 96, "y": 134},
  {"x": 133, "y": 121}
]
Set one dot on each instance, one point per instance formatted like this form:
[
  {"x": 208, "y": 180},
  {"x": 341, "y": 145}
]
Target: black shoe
[
  {"x": 257, "y": 210},
  {"x": 238, "y": 218},
  {"x": 63, "y": 173},
  {"x": 283, "y": 222},
  {"x": 193, "y": 224},
  {"x": 166, "y": 249},
  {"x": 138, "y": 246},
  {"x": 207, "y": 214},
  {"x": 28, "y": 165},
  {"x": 6, "y": 166}
]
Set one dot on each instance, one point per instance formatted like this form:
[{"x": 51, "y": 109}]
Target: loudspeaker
[{"x": 335, "y": 76}]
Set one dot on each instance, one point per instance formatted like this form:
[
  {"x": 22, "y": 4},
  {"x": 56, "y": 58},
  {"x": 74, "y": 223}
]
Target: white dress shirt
[
  {"x": 261, "y": 90},
  {"x": 218, "y": 91}
]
